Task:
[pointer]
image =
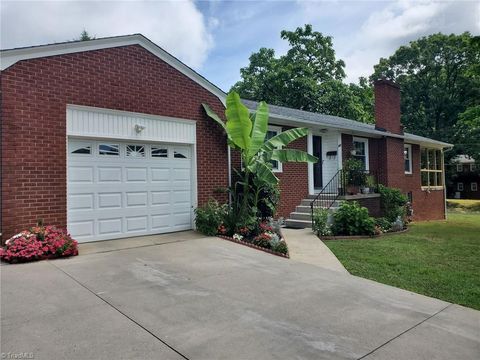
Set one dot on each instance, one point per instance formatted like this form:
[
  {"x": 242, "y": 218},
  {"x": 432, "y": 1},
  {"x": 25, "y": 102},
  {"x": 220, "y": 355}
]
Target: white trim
[
  {"x": 93, "y": 122},
  {"x": 409, "y": 151},
  {"x": 459, "y": 167},
  {"x": 460, "y": 186},
  {"x": 473, "y": 167},
  {"x": 339, "y": 151},
  {"x": 472, "y": 187},
  {"x": 12, "y": 56},
  {"x": 367, "y": 156},
  {"x": 311, "y": 187},
  {"x": 278, "y": 130}
]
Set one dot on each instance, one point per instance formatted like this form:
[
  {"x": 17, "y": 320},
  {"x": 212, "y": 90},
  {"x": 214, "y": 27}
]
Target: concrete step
[
  {"x": 300, "y": 216},
  {"x": 303, "y": 209},
  {"x": 298, "y": 224}
]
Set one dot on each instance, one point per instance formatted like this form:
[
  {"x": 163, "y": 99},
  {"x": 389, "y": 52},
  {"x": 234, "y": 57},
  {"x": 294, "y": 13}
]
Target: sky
[{"x": 217, "y": 37}]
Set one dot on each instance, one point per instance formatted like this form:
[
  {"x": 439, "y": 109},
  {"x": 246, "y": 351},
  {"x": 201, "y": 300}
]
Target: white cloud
[
  {"x": 399, "y": 23},
  {"x": 179, "y": 27}
]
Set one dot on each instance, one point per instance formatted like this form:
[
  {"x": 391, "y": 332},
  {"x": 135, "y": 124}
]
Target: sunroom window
[{"x": 431, "y": 168}]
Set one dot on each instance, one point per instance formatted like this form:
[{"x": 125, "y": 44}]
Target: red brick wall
[
  {"x": 293, "y": 179},
  {"x": 386, "y": 162},
  {"x": 387, "y": 106},
  {"x": 33, "y": 110}
]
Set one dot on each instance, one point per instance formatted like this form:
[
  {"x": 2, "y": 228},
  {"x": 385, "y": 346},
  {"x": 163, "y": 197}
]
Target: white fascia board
[{"x": 10, "y": 57}]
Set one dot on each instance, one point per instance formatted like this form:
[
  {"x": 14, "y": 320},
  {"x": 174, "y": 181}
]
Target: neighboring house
[
  {"x": 108, "y": 137},
  {"x": 464, "y": 178}
]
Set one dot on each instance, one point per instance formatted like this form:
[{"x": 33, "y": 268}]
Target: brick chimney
[{"x": 387, "y": 106}]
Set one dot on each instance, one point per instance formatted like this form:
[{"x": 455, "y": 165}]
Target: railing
[{"x": 342, "y": 183}]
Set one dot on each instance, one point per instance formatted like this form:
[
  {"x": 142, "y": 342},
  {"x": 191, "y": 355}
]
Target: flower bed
[
  {"x": 262, "y": 237},
  {"x": 38, "y": 243}
]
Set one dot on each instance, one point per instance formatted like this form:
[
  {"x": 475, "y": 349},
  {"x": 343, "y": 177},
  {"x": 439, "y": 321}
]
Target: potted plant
[
  {"x": 369, "y": 184},
  {"x": 355, "y": 176}
]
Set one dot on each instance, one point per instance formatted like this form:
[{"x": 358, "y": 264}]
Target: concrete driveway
[{"x": 184, "y": 296}]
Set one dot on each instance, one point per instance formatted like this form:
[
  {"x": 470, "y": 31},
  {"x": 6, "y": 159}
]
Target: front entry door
[{"x": 317, "y": 167}]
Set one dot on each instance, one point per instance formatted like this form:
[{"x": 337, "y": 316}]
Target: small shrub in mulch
[{"x": 38, "y": 243}]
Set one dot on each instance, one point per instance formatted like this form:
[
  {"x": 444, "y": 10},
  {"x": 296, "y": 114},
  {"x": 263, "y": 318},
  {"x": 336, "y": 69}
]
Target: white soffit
[{"x": 11, "y": 56}]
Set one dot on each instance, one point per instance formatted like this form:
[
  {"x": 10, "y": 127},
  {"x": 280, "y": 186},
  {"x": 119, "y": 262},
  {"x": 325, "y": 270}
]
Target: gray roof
[{"x": 337, "y": 122}]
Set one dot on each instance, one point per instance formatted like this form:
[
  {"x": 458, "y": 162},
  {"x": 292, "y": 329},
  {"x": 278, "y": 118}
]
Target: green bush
[
  {"x": 384, "y": 224},
  {"x": 392, "y": 202},
  {"x": 352, "y": 219},
  {"x": 320, "y": 222},
  {"x": 281, "y": 247},
  {"x": 209, "y": 217}
]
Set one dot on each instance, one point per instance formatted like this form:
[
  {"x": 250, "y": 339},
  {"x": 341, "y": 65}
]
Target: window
[
  {"x": 271, "y": 132},
  {"x": 360, "y": 151},
  {"x": 473, "y": 167},
  {"x": 407, "y": 155},
  {"x": 181, "y": 153},
  {"x": 459, "y": 167},
  {"x": 431, "y": 168},
  {"x": 136, "y": 151},
  {"x": 80, "y": 148},
  {"x": 460, "y": 186},
  {"x": 159, "y": 152},
  {"x": 474, "y": 186},
  {"x": 109, "y": 149}
]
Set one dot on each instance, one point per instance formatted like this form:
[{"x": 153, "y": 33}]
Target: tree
[
  {"x": 85, "y": 36},
  {"x": 308, "y": 77},
  {"x": 246, "y": 133},
  {"x": 440, "y": 78},
  {"x": 467, "y": 133}
]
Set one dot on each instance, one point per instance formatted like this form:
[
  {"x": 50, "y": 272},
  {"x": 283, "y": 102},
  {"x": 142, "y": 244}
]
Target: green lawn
[{"x": 439, "y": 259}]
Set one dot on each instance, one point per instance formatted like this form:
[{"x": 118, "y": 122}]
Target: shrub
[
  {"x": 38, "y": 243},
  {"x": 281, "y": 247},
  {"x": 383, "y": 224},
  {"x": 210, "y": 217},
  {"x": 352, "y": 219},
  {"x": 320, "y": 222},
  {"x": 392, "y": 202}
]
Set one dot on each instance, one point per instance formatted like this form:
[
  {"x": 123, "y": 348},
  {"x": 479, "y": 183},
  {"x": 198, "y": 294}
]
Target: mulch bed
[
  {"x": 287, "y": 256},
  {"x": 361, "y": 237}
]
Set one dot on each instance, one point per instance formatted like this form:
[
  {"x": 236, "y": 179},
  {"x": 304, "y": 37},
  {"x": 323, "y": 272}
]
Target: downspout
[
  {"x": 229, "y": 173},
  {"x": 444, "y": 183}
]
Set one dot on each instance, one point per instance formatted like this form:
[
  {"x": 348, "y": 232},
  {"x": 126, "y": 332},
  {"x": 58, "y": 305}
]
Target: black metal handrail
[{"x": 338, "y": 184}]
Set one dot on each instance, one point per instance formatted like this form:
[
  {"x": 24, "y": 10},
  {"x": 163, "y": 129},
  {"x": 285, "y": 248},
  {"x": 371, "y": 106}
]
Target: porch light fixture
[
  {"x": 139, "y": 128},
  {"x": 353, "y": 152}
]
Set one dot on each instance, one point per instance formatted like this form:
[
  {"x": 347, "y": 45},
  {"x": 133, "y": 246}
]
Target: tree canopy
[
  {"x": 85, "y": 36},
  {"x": 308, "y": 77},
  {"x": 440, "y": 80}
]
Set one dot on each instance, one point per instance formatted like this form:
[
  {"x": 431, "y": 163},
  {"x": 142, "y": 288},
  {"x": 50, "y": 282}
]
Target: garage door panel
[
  {"x": 136, "y": 223},
  {"x": 111, "y": 200},
  {"x": 81, "y": 202},
  {"x": 111, "y": 226},
  {"x": 109, "y": 174},
  {"x": 117, "y": 196},
  {"x": 80, "y": 174},
  {"x": 134, "y": 174},
  {"x": 137, "y": 198}
]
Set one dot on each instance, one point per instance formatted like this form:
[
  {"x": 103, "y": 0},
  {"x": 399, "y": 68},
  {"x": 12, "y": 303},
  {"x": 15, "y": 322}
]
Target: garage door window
[
  {"x": 159, "y": 152},
  {"x": 81, "y": 148},
  {"x": 181, "y": 153},
  {"x": 109, "y": 149},
  {"x": 136, "y": 151}
]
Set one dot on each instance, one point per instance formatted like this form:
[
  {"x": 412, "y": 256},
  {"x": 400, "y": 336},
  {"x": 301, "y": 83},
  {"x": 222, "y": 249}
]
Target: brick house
[
  {"x": 108, "y": 137},
  {"x": 463, "y": 178}
]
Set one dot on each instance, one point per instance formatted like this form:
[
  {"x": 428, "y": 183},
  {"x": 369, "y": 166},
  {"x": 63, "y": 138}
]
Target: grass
[
  {"x": 440, "y": 259},
  {"x": 463, "y": 205}
]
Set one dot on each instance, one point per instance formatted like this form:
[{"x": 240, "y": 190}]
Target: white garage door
[{"x": 119, "y": 188}]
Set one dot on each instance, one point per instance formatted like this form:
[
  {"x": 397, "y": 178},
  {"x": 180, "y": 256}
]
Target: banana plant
[{"x": 246, "y": 132}]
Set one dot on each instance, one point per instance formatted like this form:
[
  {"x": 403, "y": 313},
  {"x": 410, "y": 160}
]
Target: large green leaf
[
  {"x": 284, "y": 138},
  {"x": 263, "y": 174},
  {"x": 292, "y": 155},
  {"x": 259, "y": 130},
  {"x": 239, "y": 125},
  {"x": 212, "y": 114}
]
